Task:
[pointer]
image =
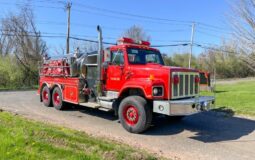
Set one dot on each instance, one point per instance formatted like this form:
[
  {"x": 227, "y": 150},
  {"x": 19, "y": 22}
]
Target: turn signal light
[{"x": 176, "y": 79}]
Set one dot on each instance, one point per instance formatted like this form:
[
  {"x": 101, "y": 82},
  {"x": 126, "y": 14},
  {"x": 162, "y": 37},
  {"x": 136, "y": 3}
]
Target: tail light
[
  {"x": 197, "y": 79},
  {"x": 176, "y": 80}
]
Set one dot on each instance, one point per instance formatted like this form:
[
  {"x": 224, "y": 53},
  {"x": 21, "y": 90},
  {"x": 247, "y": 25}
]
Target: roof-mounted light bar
[{"x": 125, "y": 40}]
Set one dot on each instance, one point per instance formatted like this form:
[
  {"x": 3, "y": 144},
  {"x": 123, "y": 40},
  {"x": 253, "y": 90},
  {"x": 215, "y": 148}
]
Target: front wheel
[
  {"x": 135, "y": 114},
  {"x": 57, "y": 99}
]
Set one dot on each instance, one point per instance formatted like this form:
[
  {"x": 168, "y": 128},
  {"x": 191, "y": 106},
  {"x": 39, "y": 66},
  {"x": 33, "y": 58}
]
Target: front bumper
[{"x": 183, "y": 107}]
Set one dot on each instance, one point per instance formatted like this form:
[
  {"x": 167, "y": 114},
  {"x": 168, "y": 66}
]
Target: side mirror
[
  {"x": 105, "y": 65},
  {"x": 107, "y": 55}
]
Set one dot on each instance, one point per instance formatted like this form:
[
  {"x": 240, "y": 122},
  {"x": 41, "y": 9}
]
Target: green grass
[
  {"x": 24, "y": 139},
  {"x": 238, "y": 97}
]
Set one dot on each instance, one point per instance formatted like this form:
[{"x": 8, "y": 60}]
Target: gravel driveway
[{"x": 202, "y": 136}]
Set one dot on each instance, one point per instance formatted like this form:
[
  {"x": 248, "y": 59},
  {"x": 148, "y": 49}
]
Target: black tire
[
  {"x": 46, "y": 96},
  {"x": 57, "y": 99},
  {"x": 138, "y": 107}
]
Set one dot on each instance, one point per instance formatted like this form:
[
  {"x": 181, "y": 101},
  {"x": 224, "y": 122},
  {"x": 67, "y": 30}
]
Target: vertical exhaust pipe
[{"x": 99, "y": 61}]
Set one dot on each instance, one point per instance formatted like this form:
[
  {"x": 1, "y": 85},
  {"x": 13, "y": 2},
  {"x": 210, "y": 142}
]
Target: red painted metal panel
[
  {"x": 71, "y": 93},
  {"x": 69, "y": 87}
]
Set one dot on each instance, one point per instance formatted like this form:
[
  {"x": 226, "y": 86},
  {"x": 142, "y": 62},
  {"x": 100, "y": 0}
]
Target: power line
[
  {"x": 109, "y": 28},
  {"x": 211, "y": 26},
  {"x": 215, "y": 49},
  {"x": 110, "y": 43},
  {"x": 31, "y": 35},
  {"x": 148, "y": 17},
  {"x": 171, "y": 45},
  {"x": 31, "y": 5},
  {"x": 88, "y": 8},
  {"x": 212, "y": 35},
  {"x": 88, "y": 40},
  {"x": 214, "y": 30},
  {"x": 131, "y": 15}
]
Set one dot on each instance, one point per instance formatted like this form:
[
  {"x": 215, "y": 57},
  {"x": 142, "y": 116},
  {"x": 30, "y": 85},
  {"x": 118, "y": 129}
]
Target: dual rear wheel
[{"x": 54, "y": 98}]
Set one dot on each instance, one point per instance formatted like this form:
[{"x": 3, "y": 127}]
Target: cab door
[{"x": 115, "y": 71}]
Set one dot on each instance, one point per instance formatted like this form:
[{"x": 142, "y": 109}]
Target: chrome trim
[
  {"x": 112, "y": 94},
  {"x": 183, "y": 107},
  {"x": 183, "y": 84}
]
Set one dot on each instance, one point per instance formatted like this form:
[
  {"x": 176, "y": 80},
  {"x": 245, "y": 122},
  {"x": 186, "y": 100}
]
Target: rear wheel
[
  {"x": 135, "y": 114},
  {"x": 46, "y": 96},
  {"x": 57, "y": 99}
]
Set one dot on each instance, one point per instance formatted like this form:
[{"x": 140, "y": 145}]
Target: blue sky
[{"x": 210, "y": 17}]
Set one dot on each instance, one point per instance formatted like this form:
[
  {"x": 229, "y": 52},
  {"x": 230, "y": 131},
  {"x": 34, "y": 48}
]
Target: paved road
[{"x": 201, "y": 136}]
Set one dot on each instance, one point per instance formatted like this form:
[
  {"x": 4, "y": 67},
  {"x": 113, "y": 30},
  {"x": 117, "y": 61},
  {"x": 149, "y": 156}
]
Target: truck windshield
[{"x": 144, "y": 56}]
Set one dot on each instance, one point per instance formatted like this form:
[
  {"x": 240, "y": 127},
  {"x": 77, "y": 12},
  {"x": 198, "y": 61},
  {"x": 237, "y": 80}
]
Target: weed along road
[{"x": 207, "y": 135}]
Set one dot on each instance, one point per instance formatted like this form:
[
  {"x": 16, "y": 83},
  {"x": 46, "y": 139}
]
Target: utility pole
[
  {"x": 68, "y": 9},
  {"x": 191, "y": 43}
]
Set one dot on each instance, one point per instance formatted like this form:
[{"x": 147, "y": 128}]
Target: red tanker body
[{"x": 129, "y": 78}]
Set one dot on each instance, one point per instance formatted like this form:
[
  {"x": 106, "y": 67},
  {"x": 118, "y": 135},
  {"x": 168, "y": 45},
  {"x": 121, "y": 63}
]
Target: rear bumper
[{"x": 184, "y": 106}]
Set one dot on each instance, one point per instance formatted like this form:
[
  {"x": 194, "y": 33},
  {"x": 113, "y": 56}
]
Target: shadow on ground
[
  {"x": 207, "y": 127},
  {"x": 212, "y": 126},
  {"x": 225, "y": 111},
  {"x": 92, "y": 112},
  {"x": 220, "y": 91}
]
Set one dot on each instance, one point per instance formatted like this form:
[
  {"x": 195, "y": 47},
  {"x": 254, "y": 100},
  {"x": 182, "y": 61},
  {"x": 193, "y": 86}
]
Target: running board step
[
  {"x": 104, "y": 109},
  {"x": 90, "y": 105},
  {"x": 104, "y": 98}
]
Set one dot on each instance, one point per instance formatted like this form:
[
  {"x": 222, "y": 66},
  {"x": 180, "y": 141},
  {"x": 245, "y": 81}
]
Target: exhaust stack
[{"x": 99, "y": 61}]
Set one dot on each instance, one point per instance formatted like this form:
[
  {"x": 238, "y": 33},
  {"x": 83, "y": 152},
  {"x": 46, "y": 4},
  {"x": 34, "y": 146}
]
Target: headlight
[{"x": 157, "y": 91}]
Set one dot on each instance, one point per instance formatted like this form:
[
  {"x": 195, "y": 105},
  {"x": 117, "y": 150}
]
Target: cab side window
[{"x": 117, "y": 57}]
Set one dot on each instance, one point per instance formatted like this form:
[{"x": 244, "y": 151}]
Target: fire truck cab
[{"x": 129, "y": 78}]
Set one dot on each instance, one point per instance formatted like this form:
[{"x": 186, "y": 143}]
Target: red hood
[
  {"x": 180, "y": 69},
  {"x": 157, "y": 70}
]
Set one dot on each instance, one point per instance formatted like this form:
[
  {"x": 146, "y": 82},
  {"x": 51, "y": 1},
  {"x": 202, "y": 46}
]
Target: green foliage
[
  {"x": 24, "y": 139},
  {"x": 227, "y": 64},
  {"x": 180, "y": 60},
  {"x": 19, "y": 54},
  {"x": 11, "y": 74},
  {"x": 226, "y": 60}
]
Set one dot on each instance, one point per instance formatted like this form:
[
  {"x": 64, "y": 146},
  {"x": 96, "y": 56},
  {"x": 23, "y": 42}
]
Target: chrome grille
[
  {"x": 181, "y": 85},
  {"x": 186, "y": 86}
]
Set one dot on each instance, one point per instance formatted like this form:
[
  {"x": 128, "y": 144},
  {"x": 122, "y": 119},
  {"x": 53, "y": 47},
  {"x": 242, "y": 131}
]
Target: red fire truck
[{"x": 129, "y": 78}]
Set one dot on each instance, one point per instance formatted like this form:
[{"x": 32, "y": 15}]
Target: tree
[
  {"x": 243, "y": 23},
  {"x": 225, "y": 59},
  {"x": 167, "y": 59},
  {"x": 181, "y": 60},
  {"x": 137, "y": 33},
  {"x": 85, "y": 47},
  {"x": 20, "y": 39}
]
